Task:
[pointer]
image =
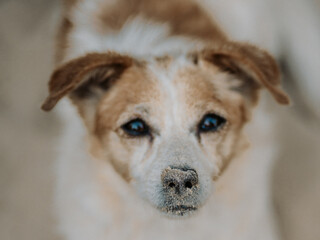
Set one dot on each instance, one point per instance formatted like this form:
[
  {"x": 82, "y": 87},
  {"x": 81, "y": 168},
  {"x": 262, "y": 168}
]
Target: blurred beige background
[{"x": 28, "y": 136}]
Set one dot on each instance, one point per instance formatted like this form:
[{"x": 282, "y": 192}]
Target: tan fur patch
[
  {"x": 134, "y": 87},
  {"x": 204, "y": 93},
  {"x": 184, "y": 17}
]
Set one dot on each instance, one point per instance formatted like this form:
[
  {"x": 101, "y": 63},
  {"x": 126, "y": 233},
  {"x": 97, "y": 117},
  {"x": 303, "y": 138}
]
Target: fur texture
[{"x": 122, "y": 61}]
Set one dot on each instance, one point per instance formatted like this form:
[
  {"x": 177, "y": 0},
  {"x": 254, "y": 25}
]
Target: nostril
[
  {"x": 188, "y": 184},
  {"x": 178, "y": 180}
]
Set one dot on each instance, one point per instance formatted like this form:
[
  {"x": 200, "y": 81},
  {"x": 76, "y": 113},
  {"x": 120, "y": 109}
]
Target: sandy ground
[{"x": 28, "y": 137}]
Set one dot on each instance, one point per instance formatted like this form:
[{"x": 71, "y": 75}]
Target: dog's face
[{"x": 169, "y": 125}]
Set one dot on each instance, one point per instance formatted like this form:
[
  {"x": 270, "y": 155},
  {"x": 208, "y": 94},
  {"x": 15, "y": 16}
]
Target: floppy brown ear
[
  {"x": 79, "y": 77},
  {"x": 254, "y": 66}
]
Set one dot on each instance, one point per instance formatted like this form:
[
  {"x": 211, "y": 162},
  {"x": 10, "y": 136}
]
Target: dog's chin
[{"x": 178, "y": 211}]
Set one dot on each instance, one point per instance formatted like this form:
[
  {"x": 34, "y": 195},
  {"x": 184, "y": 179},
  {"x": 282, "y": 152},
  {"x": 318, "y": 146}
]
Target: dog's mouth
[{"x": 179, "y": 210}]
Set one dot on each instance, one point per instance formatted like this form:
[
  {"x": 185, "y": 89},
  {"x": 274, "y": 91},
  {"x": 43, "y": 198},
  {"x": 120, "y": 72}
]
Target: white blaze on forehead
[
  {"x": 172, "y": 114},
  {"x": 172, "y": 102}
]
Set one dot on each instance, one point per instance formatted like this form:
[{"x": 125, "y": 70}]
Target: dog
[{"x": 168, "y": 135}]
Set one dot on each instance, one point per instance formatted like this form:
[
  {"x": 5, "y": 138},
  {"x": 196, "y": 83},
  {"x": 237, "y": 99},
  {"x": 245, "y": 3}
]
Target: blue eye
[
  {"x": 211, "y": 122},
  {"x": 136, "y": 127}
]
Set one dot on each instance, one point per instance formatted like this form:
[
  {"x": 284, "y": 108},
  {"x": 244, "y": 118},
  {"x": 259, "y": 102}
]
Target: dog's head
[{"x": 168, "y": 125}]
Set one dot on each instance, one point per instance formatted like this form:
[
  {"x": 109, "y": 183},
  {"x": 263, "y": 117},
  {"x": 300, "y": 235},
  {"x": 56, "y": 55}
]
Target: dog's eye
[
  {"x": 211, "y": 122},
  {"x": 136, "y": 127}
]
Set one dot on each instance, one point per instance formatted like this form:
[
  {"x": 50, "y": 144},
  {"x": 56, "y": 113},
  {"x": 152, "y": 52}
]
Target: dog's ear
[
  {"x": 254, "y": 67},
  {"x": 85, "y": 77}
]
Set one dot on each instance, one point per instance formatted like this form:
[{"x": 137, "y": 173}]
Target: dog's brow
[{"x": 143, "y": 110}]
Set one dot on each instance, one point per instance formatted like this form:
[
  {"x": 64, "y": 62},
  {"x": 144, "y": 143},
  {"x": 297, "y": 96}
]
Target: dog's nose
[{"x": 179, "y": 180}]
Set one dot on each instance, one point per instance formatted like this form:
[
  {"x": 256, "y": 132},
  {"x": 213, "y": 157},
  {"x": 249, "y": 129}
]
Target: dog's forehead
[
  {"x": 187, "y": 89},
  {"x": 168, "y": 91},
  {"x": 185, "y": 83}
]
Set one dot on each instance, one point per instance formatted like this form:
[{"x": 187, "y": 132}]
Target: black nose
[{"x": 179, "y": 180}]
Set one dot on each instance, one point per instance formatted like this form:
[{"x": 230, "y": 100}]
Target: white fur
[
  {"x": 139, "y": 37},
  {"x": 241, "y": 201}
]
